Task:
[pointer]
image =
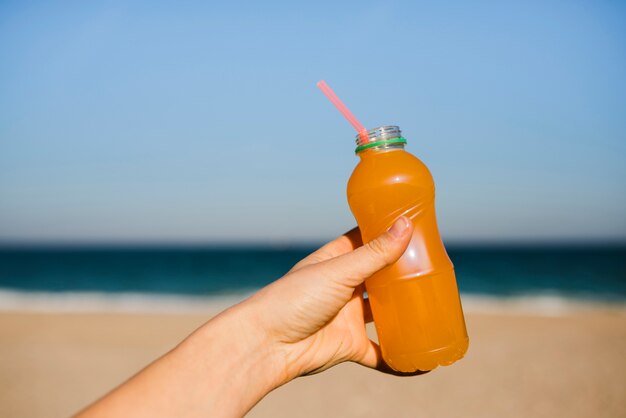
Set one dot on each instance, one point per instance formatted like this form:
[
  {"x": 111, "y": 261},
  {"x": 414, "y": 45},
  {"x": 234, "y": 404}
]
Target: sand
[{"x": 520, "y": 364}]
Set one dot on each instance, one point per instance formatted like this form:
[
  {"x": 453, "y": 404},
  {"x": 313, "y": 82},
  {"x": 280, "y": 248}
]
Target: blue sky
[{"x": 201, "y": 122}]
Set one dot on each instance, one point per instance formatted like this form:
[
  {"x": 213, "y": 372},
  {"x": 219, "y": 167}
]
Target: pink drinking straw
[{"x": 344, "y": 110}]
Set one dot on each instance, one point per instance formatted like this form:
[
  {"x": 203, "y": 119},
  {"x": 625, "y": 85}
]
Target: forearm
[
  {"x": 309, "y": 320},
  {"x": 222, "y": 370}
]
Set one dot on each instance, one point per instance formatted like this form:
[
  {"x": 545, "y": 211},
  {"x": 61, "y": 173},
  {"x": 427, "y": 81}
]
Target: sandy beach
[{"x": 521, "y": 363}]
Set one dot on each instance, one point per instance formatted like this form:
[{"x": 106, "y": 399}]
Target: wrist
[{"x": 235, "y": 358}]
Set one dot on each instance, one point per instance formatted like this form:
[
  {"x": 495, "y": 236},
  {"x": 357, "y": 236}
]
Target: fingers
[
  {"x": 373, "y": 359},
  {"x": 352, "y": 268},
  {"x": 340, "y": 245}
]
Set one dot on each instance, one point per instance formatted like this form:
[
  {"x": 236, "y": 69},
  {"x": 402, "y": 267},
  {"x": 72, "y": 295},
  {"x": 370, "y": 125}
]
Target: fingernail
[{"x": 399, "y": 227}]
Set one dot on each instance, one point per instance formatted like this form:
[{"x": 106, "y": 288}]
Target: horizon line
[{"x": 297, "y": 244}]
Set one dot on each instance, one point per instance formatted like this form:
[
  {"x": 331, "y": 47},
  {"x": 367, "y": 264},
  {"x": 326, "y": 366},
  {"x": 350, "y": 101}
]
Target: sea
[{"x": 593, "y": 273}]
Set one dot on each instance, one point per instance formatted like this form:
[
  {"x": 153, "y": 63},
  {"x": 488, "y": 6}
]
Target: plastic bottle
[{"x": 415, "y": 302}]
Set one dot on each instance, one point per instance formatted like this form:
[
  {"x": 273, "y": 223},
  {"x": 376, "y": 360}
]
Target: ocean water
[{"x": 587, "y": 273}]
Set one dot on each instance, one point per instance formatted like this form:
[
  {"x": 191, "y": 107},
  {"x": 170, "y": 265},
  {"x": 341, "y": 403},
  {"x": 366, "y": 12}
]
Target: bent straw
[{"x": 344, "y": 110}]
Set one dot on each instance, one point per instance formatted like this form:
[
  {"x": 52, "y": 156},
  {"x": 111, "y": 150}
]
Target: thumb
[{"x": 351, "y": 269}]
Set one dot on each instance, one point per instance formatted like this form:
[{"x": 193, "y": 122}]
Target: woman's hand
[
  {"x": 309, "y": 320},
  {"x": 315, "y": 315}
]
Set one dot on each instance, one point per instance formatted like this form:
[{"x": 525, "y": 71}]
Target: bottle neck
[
  {"x": 380, "y": 139},
  {"x": 398, "y": 146}
]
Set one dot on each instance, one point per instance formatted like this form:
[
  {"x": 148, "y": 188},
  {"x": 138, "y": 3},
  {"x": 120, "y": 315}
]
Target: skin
[{"x": 306, "y": 322}]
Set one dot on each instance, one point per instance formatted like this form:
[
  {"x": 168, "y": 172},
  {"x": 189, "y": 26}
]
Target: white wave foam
[
  {"x": 536, "y": 305},
  {"x": 99, "y": 302}
]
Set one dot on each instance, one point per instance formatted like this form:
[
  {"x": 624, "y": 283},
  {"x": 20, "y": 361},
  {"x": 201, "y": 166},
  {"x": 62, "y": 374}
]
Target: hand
[
  {"x": 309, "y": 320},
  {"x": 314, "y": 317}
]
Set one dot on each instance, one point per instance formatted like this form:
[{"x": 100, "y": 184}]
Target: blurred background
[
  {"x": 154, "y": 151},
  {"x": 147, "y": 124}
]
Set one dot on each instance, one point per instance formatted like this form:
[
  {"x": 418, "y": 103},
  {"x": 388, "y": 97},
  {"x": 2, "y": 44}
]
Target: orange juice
[{"x": 415, "y": 302}]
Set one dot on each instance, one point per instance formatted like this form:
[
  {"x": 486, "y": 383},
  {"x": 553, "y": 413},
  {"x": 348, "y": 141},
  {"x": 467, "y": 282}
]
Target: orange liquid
[{"x": 415, "y": 302}]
